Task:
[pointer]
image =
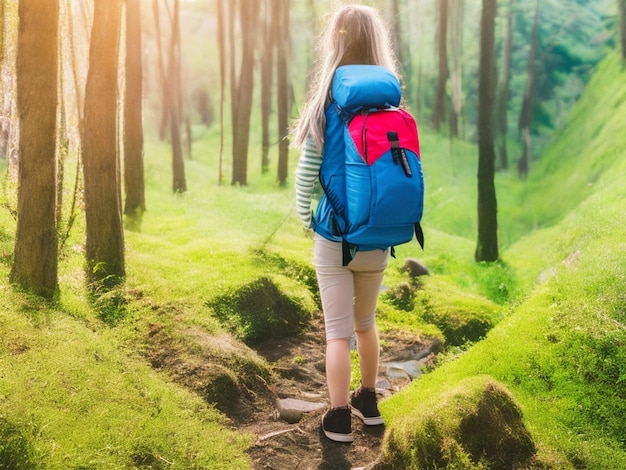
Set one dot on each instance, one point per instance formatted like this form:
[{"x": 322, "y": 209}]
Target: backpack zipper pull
[
  {"x": 364, "y": 136},
  {"x": 398, "y": 153}
]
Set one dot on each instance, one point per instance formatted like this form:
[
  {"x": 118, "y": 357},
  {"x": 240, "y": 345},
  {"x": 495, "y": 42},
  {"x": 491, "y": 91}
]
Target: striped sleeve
[{"x": 307, "y": 174}]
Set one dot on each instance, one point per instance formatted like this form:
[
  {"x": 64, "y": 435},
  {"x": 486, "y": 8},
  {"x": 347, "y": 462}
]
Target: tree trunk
[
  {"x": 135, "y": 203},
  {"x": 1, "y": 32},
  {"x": 248, "y": 13},
  {"x": 174, "y": 104},
  {"x": 270, "y": 34},
  {"x": 503, "y": 91},
  {"x": 35, "y": 264},
  {"x": 526, "y": 114},
  {"x": 283, "y": 41},
  {"x": 456, "y": 75},
  {"x": 420, "y": 87},
  {"x": 64, "y": 231},
  {"x": 622, "y": 17},
  {"x": 103, "y": 209},
  {"x": 3, "y": 131},
  {"x": 439, "y": 107},
  {"x": 487, "y": 245},
  {"x": 165, "y": 89},
  {"x": 221, "y": 41},
  {"x": 234, "y": 84}
]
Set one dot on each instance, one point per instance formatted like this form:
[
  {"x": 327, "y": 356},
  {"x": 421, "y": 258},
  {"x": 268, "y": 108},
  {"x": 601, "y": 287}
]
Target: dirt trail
[{"x": 300, "y": 364}]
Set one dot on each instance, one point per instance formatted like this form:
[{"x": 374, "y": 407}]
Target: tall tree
[
  {"x": 35, "y": 264},
  {"x": 231, "y": 17},
  {"x": 526, "y": 114},
  {"x": 456, "y": 46},
  {"x": 174, "y": 103},
  {"x": 502, "y": 100},
  {"x": 487, "y": 245},
  {"x": 64, "y": 231},
  {"x": 1, "y": 32},
  {"x": 439, "y": 107},
  {"x": 221, "y": 41},
  {"x": 248, "y": 15},
  {"x": 400, "y": 24},
  {"x": 270, "y": 35},
  {"x": 414, "y": 33},
  {"x": 135, "y": 203},
  {"x": 165, "y": 90},
  {"x": 282, "y": 40},
  {"x": 103, "y": 208},
  {"x": 622, "y": 16}
]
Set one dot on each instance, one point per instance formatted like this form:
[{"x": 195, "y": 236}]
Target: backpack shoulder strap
[{"x": 419, "y": 234}]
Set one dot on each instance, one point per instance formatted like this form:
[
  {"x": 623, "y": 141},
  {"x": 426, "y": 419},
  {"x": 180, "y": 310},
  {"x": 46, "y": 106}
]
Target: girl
[{"x": 355, "y": 35}]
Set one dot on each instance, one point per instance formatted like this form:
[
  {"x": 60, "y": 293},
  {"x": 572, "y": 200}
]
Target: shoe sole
[
  {"x": 338, "y": 437},
  {"x": 368, "y": 421}
]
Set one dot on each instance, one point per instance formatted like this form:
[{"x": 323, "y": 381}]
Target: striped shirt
[{"x": 307, "y": 174}]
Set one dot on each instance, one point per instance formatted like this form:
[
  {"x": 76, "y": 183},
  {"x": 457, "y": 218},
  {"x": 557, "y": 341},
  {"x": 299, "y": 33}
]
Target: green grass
[
  {"x": 561, "y": 349},
  {"x": 77, "y": 391}
]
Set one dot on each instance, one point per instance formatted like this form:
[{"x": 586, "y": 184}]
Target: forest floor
[{"x": 281, "y": 445}]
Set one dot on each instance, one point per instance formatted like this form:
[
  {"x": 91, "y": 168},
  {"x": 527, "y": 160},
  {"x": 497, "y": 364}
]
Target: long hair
[{"x": 356, "y": 34}]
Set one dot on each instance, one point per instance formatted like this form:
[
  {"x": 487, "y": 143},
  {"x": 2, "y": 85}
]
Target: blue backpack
[{"x": 371, "y": 172}]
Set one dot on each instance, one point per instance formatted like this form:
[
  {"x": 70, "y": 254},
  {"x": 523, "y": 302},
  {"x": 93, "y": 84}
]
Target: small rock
[
  {"x": 398, "y": 378},
  {"x": 415, "y": 268},
  {"x": 383, "y": 384},
  {"x": 411, "y": 368},
  {"x": 291, "y": 410}
]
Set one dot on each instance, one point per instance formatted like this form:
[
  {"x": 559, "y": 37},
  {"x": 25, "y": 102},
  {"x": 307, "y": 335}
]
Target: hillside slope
[{"x": 562, "y": 351}]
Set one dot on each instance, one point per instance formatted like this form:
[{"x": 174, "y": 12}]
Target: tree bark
[
  {"x": 179, "y": 184},
  {"x": 526, "y": 114},
  {"x": 248, "y": 13},
  {"x": 439, "y": 107},
  {"x": 165, "y": 90},
  {"x": 1, "y": 32},
  {"x": 622, "y": 16},
  {"x": 456, "y": 45},
  {"x": 503, "y": 91},
  {"x": 283, "y": 40},
  {"x": 231, "y": 49},
  {"x": 35, "y": 264},
  {"x": 487, "y": 245},
  {"x": 221, "y": 40},
  {"x": 270, "y": 35},
  {"x": 103, "y": 209},
  {"x": 135, "y": 203}
]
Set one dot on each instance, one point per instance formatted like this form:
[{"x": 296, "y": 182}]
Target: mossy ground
[{"x": 130, "y": 378}]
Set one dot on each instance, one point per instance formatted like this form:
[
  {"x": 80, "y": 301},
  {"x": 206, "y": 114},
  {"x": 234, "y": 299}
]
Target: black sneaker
[
  {"x": 337, "y": 424},
  {"x": 363, "y": 405}
]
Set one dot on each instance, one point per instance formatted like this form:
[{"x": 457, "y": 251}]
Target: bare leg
[
  {"x": 368, "y": 348},
  {"x": 338, "y": 371}
]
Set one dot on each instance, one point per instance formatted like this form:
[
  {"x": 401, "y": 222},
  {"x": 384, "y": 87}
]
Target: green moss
[
  {"x": 17, "y": 447},
  {"x": 460, "y": 317},
  {"x": 478, "y": 424},
  {"x": 260, "y": 310}
]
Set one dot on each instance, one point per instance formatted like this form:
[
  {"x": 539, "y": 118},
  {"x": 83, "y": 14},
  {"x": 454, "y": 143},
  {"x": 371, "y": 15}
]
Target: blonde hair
[{"x": 356, "y": 34}]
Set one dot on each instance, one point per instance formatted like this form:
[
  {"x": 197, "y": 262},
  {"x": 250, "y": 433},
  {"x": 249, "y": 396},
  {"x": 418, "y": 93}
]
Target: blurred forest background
[
  {"x": 162, "y": 68},
  {"x": 147, "y": 190}
]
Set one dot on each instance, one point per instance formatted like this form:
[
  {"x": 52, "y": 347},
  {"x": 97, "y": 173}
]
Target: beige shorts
[{"x": 348, "y": 293}]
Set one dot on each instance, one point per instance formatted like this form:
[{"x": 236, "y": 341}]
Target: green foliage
[
  {"x": 17, "y": 447},
  {"x": 560, "y": 351},
  {"x": 104, "y": 402},
  {"x": 77, "y": 388},
  {"x": 476, "y": 425},
  {"x": 109, "y": 302},
  {"x": 260, "y": 311},
  {"x": 460, "y": 317},
  {"x": 303, "y": 273}
]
